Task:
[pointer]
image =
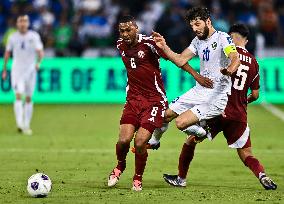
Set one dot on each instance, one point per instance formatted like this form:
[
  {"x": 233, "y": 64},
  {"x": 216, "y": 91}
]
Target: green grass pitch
[{"x": 74, "y": 145}]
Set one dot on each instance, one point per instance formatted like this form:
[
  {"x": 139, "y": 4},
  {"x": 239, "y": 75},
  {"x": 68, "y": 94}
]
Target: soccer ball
[{"x": 39, "y": 185}]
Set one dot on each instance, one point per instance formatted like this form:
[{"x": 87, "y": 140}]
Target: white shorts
[
  {"x": 23, "y": 84},
  {"x": 204, "y": 103}
]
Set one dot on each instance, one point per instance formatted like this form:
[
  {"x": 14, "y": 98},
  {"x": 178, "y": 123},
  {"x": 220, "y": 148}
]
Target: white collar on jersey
[{"x": 242, "y": 48}]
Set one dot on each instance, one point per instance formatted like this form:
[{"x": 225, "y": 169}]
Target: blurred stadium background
[
  {"x": 74, "y": 144},
  {"x": 87, "y": 28}
]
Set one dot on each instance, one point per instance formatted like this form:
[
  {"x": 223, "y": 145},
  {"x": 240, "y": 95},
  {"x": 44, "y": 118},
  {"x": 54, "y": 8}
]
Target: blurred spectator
[
  {"x": 62, "y": 36},
  {"x": 89, "y": 27},
  {"x": 268, "y": 22}
]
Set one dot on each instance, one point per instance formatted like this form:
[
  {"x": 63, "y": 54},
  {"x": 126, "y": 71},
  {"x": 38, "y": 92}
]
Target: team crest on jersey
[
  {"x": 214, "y": 45},
  {"x": 141, "y": 54}
]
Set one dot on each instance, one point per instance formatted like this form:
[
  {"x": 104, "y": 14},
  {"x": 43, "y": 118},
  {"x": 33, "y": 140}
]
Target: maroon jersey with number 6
[
  {"x": 143, "y": 68},
  {"x": 146, "y": 100},
  {"x": 245, "y": 78}
]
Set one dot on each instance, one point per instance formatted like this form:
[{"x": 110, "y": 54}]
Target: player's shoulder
[
  {"x": 195, "y": 41},
  {"x": 222, "y": 33},
  {"x": 145, "y": 39},
  {"x": 119, "y": 43},
  {"x": 33, "y": 33},
  {"x": 14, "y": 35},
  {"x": 224, "y": 36},
  {"x": 244, "y": 51}
]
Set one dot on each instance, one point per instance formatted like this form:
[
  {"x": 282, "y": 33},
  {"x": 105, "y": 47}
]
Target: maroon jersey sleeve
[
  {"x": 155, "y": 49},
  {"x": 255, "y": 81}
]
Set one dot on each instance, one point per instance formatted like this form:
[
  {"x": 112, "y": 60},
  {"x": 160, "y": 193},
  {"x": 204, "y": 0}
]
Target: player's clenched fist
[{"x": 226, "y": 72}]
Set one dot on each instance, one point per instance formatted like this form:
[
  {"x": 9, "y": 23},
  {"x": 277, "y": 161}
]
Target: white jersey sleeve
[
  {"x": 9, "y": 46},
  {"x": 38, "y": 43},
  {"x": 227, "y": 44},
  {"x": 193, "y": 46}
]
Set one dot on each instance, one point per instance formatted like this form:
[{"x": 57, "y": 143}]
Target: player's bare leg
[
  {"x": 28, "y": 112},
  {"x": 19, "y": 112},
  {"x": 186, "y": 119},
  {"x": 185, "y": 158},
  {"x": 255, "y": 166},
  {"x": 141, "y": 139},
  {"x": 126, "y": 134}
]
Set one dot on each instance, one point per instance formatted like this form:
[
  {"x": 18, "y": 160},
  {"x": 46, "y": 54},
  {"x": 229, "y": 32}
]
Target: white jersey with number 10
[{"x": 213, "y": 53}]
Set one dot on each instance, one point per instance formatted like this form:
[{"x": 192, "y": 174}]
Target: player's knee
[
  {"x": 28, "y": 99},
  {"x": 169, "y": 115},
  {"x": 181, "y": 123},
  {"x": 18, "y": 96},
  {"x": 124, "y": 141},
  {"x": 140, "y": 143}
]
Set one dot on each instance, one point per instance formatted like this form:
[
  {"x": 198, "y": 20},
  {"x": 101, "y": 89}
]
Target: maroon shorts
[
  {"x": 236, "y": 133},
  {"x": 144, "y": 113}
]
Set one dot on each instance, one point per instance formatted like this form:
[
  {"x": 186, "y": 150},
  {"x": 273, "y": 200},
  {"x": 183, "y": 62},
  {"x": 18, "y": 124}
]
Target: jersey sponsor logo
[
  {"x": 214, "y": 45},
  {"x": 206, "y": 54},
  {"x": 141, "y": 54}
]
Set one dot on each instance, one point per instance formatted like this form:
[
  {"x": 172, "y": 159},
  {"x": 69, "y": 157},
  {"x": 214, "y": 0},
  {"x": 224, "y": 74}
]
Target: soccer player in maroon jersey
[
  {"x": 234, "y": 122},
  {"x": 146, "y": 100}
]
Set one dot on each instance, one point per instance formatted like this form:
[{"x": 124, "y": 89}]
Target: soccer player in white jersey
[
  {"x": 218, "y": 60},
  {"x": 27, "y": 50}
]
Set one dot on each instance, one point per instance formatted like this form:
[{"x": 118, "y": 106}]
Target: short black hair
[
  {"x": 197, "y": 12},
  {"x": 126, "y": 18},
  {"x": 240, "y": 28}
]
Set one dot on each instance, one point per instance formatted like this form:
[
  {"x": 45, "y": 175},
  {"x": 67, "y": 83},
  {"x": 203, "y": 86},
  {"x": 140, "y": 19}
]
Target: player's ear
[{"x": 208, "y": 22}]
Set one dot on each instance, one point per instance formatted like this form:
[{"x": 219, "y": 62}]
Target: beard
[{"x": 205, "y": 33}]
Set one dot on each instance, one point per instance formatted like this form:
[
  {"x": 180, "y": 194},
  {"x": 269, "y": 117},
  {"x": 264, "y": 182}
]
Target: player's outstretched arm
[
  {"x": 233, "y": 66},
  {"x": 6, "y": 58},
  {"x": 203, "y": 81},
  {"x": 178, "y": 59}
]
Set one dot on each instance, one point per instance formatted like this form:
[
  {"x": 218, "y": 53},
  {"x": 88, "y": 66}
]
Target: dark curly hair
[
  {"x": 201, "y": 13},
  {"x": 126, "y": 18},
  {"x": 240, "y": 28}
]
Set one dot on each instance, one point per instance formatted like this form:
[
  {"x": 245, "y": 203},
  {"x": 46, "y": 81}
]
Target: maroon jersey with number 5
[
  {"x": 143, "y": 68},
  {"x": 245, "y": 78}
]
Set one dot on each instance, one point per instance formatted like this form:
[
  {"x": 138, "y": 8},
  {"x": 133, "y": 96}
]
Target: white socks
[
  {"x": 23, "y": 114},
  {"x": 195, "y": 130},
  {"x": 19, "y": 113},
  {"x": 157, "y": 134},
  {"x": 28, "y": 112}
]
